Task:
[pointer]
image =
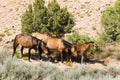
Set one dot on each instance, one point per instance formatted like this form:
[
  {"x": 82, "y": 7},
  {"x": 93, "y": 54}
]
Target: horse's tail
[
  {"x": 67, "y": 44},
  {"x": 14, "y": 45},
  {"x": 14, "y": 42}
]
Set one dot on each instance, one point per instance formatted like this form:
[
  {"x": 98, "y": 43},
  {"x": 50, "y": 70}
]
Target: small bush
[
  {"x": 110, "y": 21},
  {"x": 118, "y": 56},
  {"x": 0, "y": 38},
  {"x": 75, "y": 37},
  {"x": 2, "y": 34},
  {"x": 80, "y": 39},
  {"x": 68, "y": 63},
  {"x": 109, "y": 53}
]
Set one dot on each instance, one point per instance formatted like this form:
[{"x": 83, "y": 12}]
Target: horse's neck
[
  {"x": 87, "y": 46},
  {"x": 83, "y": 46}
]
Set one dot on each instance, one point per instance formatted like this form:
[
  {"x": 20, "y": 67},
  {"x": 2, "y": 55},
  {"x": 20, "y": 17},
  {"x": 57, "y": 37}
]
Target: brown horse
[
  {"x": 60, "y": 45},
  {"x": 43, "y": 37},
  {"x": 30, "y": 42},
  {"x": 82, "y": 48}
]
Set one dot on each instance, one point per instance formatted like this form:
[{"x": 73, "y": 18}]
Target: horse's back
[
  {"x": 55, "y": 43},
  {"x": 24, "y": 40},
  {"x": 44, "y": 37}
]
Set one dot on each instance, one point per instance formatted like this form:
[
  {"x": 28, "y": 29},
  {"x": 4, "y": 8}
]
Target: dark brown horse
[
  {"x": 82, "y": 48},
  {"x": 60, "y": 45},
  {"x": 30, "y": 42}
]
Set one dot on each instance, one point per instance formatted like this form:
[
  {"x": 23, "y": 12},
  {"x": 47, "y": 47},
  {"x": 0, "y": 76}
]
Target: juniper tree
[
  {"x": 49, "y": 19},
  {"x": 110, "y": 19}
]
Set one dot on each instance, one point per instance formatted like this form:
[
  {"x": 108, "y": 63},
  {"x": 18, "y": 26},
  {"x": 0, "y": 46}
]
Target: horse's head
[
  {"x": 91, "y": 45},
  {"x": 74, "y": 50},
  {"x": 42, "y": 46}
]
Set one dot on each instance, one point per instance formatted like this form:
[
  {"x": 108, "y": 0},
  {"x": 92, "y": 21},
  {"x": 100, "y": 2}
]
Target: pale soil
[{"x": 86, "y": 13}]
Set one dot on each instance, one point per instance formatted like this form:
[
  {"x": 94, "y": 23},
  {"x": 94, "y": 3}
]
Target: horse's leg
[
  {"x": 82, "y": 56},
  {"x": 21, "y": 52},
  {"x": 29, "y": 52},
  {"x": 69, "y": 55},
  {"x": 61, "y": 55},
  {"x": 39, "y": 52}
]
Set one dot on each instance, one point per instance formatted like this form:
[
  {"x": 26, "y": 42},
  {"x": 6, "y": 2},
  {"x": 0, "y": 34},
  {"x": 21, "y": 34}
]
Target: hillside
[{"x": 86, "y": 15}]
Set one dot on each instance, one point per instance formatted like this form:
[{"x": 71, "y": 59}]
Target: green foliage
[
  {"x": 99, "y": 43},
  {"x": 110, "y": 19},
  {"x": 27, "y": 20},
  {"x": 68, "y": 63},
  {"x": 52, "y": 19},
  {"x": 13, "y": 69},
  {"x": 81, "y": 39},
  {"x": 118, "y": 56},
  {"x": 107, "y": 54}
]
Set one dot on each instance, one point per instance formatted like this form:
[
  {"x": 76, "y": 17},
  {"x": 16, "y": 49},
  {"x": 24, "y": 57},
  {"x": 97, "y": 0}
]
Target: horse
[
  {"x": 60, "y": 45},
  {"x": 82, "y": 48},
  {"x": 30, "y": 42},
  {"x": 44, "y": 37}
]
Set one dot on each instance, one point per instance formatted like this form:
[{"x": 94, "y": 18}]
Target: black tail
[
  {"x": 14, "y": 46},
  {"x": 67, "y": 44}
]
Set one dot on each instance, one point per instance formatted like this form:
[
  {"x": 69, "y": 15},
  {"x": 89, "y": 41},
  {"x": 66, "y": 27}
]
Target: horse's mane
[
  {"x": 34, "y": 38},
  {"x": 67, "y": 44},
  {"x": 89, "y": 42}
]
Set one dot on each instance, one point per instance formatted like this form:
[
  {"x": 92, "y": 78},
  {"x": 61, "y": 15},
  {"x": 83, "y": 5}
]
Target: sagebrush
[{"x": 13, "y": 69}]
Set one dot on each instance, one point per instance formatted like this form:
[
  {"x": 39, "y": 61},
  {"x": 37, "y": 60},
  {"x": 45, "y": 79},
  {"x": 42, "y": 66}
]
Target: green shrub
[
  {"x": 110, "y": 19},
  {"x": 81, "y": 39},
  {"x": 68, "y": 63},
  {"x": 118, "y": 56},
  {"x": 52, "y": 19},
  {"x": 107, "y": 54},
  {"x": 3, "y": 54},
  {"x": 75, "y": 37}
]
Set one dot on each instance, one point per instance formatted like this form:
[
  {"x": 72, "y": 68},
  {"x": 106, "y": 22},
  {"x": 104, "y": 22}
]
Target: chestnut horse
[
  {"x": 82, "y": 48},
  {"x": 30, "y": 42},
  {"x": 43, "y": 37},
  {"x": 60, "y": 45}
]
